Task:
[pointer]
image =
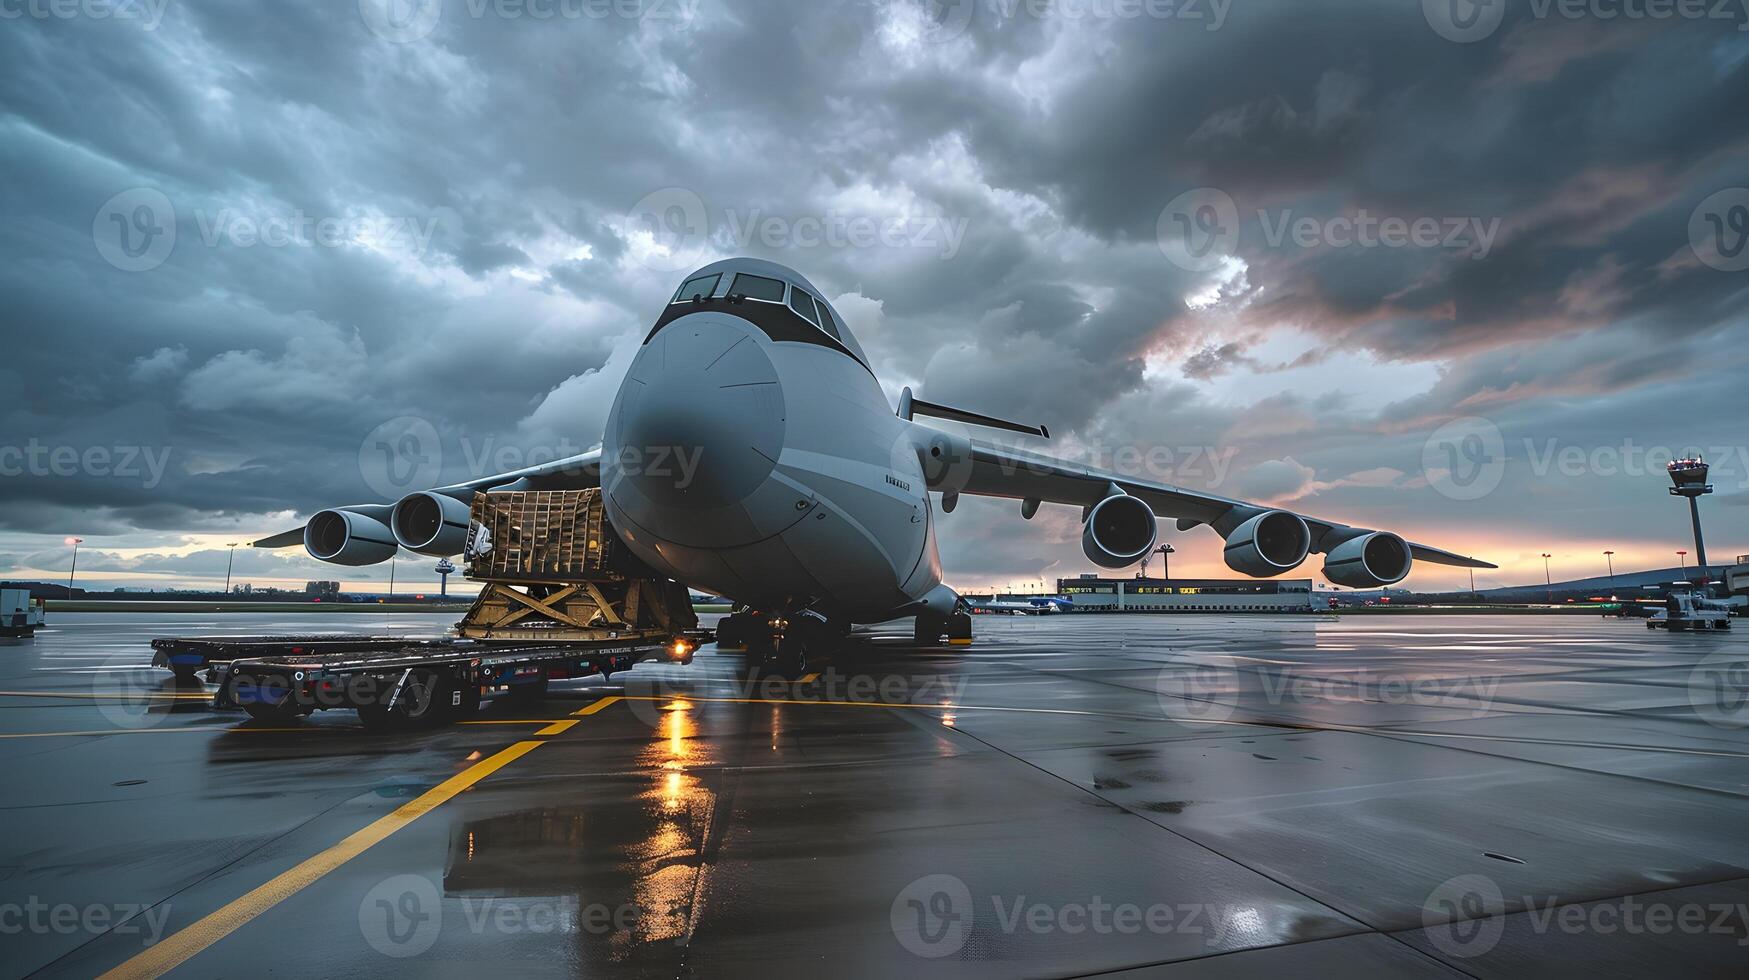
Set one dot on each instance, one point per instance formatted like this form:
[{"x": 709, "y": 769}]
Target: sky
[{"x": 1467, "y": 272}]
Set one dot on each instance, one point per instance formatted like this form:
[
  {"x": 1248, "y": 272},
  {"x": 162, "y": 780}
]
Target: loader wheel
[
  {"x": 423, "y": 702},
  {"x": 272, "y": 702}
]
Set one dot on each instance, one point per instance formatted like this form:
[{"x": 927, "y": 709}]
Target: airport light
[
  {"x": 1682, "y": 556},
  {"x": 75, "y": 542},
  {"x": 231, "y": 560},
  {"x": 1548, "y": 580},
  {"x": 1609, "y": 556}
]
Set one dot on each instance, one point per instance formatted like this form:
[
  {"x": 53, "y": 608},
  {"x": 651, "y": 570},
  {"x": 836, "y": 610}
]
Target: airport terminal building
[{"x": 1090, "y": 593}]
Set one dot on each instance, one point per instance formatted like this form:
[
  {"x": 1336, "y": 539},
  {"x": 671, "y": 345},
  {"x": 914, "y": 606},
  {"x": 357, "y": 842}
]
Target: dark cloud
[{"x": 366, "y": 230}]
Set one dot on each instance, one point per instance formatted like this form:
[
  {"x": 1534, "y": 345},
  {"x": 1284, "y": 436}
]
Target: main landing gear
[{"x": 780, "y": 644}]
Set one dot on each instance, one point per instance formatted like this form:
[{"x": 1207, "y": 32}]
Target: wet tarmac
[{"x": 1162, "y": 796}]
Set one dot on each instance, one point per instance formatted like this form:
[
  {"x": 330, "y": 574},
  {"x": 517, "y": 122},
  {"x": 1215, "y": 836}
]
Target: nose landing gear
[{"x": 927, "y": 629}]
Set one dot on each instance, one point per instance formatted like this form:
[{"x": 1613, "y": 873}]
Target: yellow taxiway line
[{"x": 185, "y": 943}]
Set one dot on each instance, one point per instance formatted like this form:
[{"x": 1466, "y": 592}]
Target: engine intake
[
  {"x": 342, "y": 537},
  {"x": 431, "y": 524},
  {"x": 1270, "y": 543},
  {"x": 1369, "y": 561},
  {"x": 1119, "y": 531}
]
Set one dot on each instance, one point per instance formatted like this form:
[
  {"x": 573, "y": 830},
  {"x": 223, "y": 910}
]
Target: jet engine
[
  {"x": 344, "y": 537},
  {"x": 1120, "y": 529},
  {"x": 1273, "y": 542},
  {"x": 1368, "y": 561},
  {"x": 431, "y": 523}
]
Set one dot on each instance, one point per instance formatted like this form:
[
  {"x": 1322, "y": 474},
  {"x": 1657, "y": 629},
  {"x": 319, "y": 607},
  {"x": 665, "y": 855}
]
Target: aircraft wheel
[
  {"x": 926, "y": 630},
  {"x": 790, "y": 659},
  {"x": 733, "y": 631}
]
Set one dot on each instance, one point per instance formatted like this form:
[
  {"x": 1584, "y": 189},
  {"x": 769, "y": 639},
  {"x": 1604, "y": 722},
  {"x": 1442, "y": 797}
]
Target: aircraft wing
[
  {"x": 361, "y": 533},
  {"x": 1004, "y": 471}
]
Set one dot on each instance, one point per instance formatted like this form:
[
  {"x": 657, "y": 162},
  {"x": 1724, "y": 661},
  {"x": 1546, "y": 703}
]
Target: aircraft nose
[{"x": 701, "y": 419}]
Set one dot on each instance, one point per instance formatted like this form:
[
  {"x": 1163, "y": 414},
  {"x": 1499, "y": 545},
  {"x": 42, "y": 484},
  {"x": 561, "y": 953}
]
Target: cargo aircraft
[{"x": 752, "y": 453}]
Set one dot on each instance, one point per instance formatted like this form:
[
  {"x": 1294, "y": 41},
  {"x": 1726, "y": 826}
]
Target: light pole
[
  {"x": 75, "y": 542},
  {"x": 1548, "y": 580},
  {"x": 230, "y": 560},
  {"x": 1609, "y": 556},
  {"x": 1682, "y": 556}
]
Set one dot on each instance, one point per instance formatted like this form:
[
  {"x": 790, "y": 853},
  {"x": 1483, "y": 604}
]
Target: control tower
[{"x": 1689, "y": 476}]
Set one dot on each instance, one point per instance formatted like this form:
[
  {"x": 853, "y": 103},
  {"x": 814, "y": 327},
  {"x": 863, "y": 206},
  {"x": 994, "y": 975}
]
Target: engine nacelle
[
  {"x": 342, "y": 537},
  {"x": 431, "y": 524},
  {"x": 1373, "y": 559},
  {"x": 1270, "y": 543},
  {"x": 1119, "y": 531}
]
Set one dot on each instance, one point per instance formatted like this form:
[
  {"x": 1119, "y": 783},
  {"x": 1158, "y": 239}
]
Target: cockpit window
[
  {"x": 827, "y": 323},
  {"x": 757, "y": 287},
  {"x": 802, "y": 303},
  {"x": 694, "y": 288}
]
